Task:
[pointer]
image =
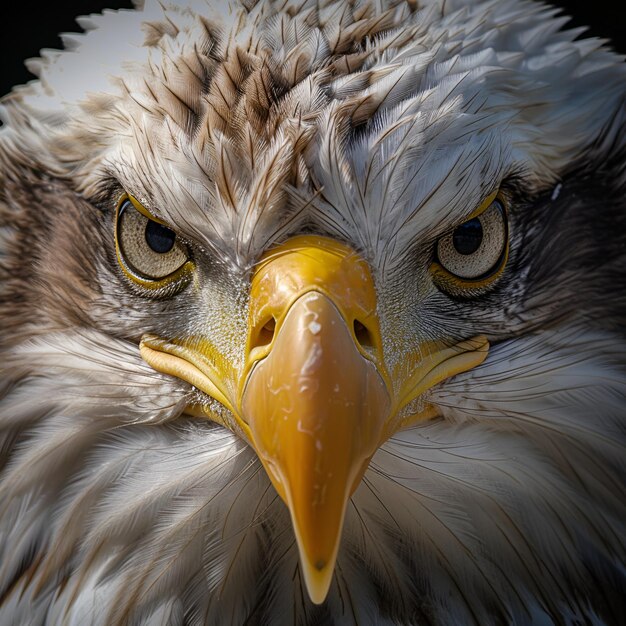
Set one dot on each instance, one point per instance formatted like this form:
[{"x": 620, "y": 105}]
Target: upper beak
[{"x": 315, "y": 399}]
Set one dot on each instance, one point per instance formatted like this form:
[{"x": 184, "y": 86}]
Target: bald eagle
[{"x": 314, "y": 311}]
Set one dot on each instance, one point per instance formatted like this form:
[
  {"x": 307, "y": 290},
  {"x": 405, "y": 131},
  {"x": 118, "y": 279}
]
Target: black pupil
[
  {"x": 160, "y": 238},
  {"x": 468, "y": 236}
]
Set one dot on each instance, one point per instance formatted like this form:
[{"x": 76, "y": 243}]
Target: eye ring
[
  {"x": 471, "y": 257},
  {"x": 149, "y": 253}
]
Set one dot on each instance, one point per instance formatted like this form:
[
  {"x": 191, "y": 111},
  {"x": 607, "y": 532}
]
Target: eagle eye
[
  {"x": 149, "y": 252},
  {"x": 473, "y": 255}
]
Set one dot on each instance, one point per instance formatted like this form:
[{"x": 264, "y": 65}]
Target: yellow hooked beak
[{"x": 314, "y": 398}]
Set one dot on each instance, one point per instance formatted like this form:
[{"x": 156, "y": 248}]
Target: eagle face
[{"x": 314, "y": 312}]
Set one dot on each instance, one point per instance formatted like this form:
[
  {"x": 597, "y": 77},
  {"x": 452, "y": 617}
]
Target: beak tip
[{"x": 317, "y": 578}]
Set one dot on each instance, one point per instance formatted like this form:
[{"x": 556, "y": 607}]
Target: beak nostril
[
  {"x": 266, "y": 334},
  {"x": 363, "y": 335}
]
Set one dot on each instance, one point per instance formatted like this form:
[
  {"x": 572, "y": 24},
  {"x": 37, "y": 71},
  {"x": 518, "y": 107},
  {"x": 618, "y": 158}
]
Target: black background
[{"x": 31, "y": 26}]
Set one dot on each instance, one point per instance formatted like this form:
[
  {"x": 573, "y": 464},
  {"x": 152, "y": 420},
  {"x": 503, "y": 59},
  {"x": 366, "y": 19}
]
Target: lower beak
[{"x": 316, "y": 409}]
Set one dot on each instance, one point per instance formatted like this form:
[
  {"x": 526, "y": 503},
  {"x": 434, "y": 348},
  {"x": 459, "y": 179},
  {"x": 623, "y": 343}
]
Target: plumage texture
[{"x": 379, "y": 123}]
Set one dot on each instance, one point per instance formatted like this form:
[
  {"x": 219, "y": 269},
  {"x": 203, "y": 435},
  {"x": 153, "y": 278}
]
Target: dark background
[{"x": 31, "y": 26}]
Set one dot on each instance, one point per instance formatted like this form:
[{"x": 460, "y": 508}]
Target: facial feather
[{"x": 460, "y": 72}]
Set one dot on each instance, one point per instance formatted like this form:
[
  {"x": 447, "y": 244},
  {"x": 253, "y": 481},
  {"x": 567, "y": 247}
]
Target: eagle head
[{"x": 314, "y": 311}]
